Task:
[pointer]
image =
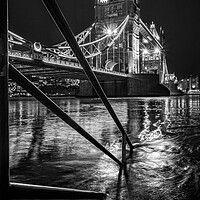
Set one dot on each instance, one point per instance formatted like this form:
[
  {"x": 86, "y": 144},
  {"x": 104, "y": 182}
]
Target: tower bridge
[{"x": 124, "y": 53}]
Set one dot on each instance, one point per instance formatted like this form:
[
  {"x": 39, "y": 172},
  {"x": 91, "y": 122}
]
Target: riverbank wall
[{"x": 137, "y": 85}]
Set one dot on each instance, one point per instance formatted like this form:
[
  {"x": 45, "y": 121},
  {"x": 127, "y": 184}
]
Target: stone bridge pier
[{"x": 136, "y": 85}]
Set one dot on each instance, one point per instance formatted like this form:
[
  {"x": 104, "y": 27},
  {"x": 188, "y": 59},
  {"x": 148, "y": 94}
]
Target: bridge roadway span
[{"x": 51, "y": 67}]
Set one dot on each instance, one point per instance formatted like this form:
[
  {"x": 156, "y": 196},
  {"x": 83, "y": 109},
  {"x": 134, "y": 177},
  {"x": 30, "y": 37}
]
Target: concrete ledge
[{"x": 27, "y": 191}]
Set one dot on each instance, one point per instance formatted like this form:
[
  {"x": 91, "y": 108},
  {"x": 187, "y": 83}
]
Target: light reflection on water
[{"x": 165, "y": 132}]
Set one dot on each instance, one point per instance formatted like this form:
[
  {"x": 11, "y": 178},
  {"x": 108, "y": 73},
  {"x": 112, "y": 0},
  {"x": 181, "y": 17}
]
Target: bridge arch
[{"x": 109, "y": 65}]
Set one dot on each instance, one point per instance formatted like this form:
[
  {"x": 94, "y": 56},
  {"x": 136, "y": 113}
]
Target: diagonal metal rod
[
  {"x": 62, "y": 24},
  {"x": 39, "y": 95}
]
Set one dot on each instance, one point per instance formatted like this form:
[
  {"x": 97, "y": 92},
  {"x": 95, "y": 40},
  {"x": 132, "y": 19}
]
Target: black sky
[{"x": 179, "y": 19}]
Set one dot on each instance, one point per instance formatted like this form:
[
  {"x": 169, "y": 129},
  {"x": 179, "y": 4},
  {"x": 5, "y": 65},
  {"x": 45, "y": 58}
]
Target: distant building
[
  {"x": 49, "y": 85},
  {"x": 190, "y": 84}
]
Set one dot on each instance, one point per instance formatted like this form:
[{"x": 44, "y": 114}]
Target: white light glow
[
  {"x": 145, "y": 51},
  {"x": 108, "y": 31},
  {"x": 156, "y": 50},
  {"x": 193, "y": 86},
  {"x": 145, "y": 40}
]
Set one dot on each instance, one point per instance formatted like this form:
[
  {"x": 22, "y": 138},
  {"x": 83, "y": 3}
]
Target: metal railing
[{"x": 24, "y": 190}]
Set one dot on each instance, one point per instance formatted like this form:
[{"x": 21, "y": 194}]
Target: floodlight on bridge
[
  {"x": 145, "y": 51},
  {"x": 110, "y": 31},
  {"x": 157, "y": 50}
]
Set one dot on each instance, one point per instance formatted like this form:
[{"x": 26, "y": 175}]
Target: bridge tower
[{"x": 123, "y": 55}]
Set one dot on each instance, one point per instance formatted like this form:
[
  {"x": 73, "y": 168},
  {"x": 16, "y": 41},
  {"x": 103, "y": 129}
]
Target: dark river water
[{"x": 165, "y": 132}]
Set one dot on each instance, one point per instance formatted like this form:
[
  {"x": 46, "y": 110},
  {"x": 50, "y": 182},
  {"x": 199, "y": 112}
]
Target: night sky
[{"x": 179, "y": 19}]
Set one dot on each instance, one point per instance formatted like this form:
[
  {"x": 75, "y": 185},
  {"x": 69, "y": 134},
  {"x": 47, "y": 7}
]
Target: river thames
[{"x": 165, "y": 132}]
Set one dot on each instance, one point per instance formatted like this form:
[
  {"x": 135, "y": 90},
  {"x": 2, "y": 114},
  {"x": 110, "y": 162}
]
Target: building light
[
  {"x": 103, "y": 1},
  {"x": 145, "y": 41}
]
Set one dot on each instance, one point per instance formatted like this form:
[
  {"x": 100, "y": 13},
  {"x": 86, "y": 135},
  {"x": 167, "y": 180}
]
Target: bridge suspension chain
[
  {"x": 18, "y": 40},
  {"x": 15, "y": 39},
  {"x": 63, "y": 50},
  {"x": 80, "y": 38},
  {"x": 91, "y": 49}
]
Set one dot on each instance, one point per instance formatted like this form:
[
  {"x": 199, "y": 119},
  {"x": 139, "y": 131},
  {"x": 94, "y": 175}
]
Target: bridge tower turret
[{"x": 123, "y": 56}]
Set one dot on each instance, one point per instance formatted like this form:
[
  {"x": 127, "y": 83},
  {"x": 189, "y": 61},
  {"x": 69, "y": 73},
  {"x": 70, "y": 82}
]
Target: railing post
[
  {"x": 124, "y": 149},
  {"x": 4, "y": 133}
]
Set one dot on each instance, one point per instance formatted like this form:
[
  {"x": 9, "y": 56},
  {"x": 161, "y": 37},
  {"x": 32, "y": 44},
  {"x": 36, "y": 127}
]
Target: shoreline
[{"x": 24, "y": 98}]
